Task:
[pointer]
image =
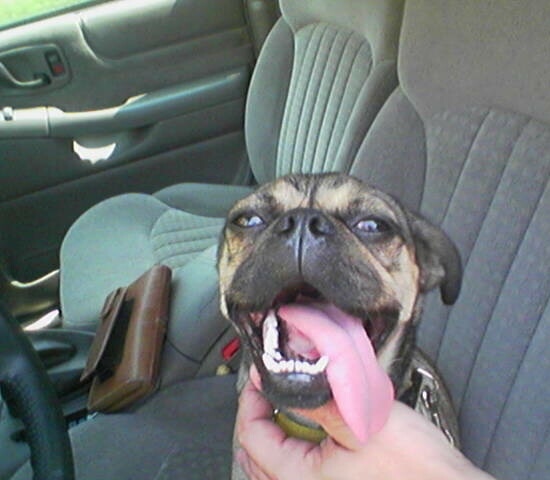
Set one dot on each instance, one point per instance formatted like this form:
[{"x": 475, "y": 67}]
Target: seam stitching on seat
[
  {"x": 342, "y": 97},
  {"x": 505, "y": 278},
  {"x": 156, "y": 223},
  {"x": 464, "y": 164},
  {"x": 539, "y": 452},
  {"x": 340, "y": 106},
  {"x": 513, "y": 382},
  {"x": 179, "y": 239},
  {"x": 188, "y": 251},
  {"x": 503, "y": 283},
  {"x": 425, "y": 177},
  {"x": 329, "y": 96},
  {"x": 294, "y": 91},
  {"x": 359, "y": 133},
  {"x": 334, "y": 118},
  {"x": 189, "y": 230},
  {"x": 317, "y": 92},
  {"x": 183, "y": 248},
  {"x": 283, "y": 127},
  {"x": 448, "y": 312},
  {"x": 315, "y": 104},
  {"x": 298, "y": 65},
  {"x": 317, "y": 48},
  {"x": 183, "y": 241},
  {"x": 491, "y": 203},
  {"x": 502, "y": 173}
]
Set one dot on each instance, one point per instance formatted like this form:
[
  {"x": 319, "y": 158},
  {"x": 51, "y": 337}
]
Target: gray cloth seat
[
  {"x": 465, "y": 139},
  {"x": 470, "y": 127}
]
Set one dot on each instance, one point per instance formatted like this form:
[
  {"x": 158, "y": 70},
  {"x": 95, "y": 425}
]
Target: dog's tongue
[{"x": 361, "y": 389}]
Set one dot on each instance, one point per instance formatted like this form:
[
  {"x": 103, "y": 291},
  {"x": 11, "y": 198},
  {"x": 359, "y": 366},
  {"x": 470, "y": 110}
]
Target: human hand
[{"x": 407, "y": 447}]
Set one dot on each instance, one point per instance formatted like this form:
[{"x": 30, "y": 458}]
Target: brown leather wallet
[{"x": 125, "y": 355}]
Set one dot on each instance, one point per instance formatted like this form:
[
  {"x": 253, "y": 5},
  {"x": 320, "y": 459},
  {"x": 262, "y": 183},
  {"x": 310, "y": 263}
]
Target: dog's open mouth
[
  {"x": 308, "y": 350},
  {"x": 297, "y": 355}
]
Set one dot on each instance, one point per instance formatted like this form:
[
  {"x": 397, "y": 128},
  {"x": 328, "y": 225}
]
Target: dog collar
[{"x": 298, "y": 430}]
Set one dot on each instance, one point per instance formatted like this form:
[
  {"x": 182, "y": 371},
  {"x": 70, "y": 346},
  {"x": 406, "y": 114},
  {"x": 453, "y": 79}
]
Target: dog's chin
[
  {"x": 293, "y": 372},
  {"x": 295, "y": 390}
]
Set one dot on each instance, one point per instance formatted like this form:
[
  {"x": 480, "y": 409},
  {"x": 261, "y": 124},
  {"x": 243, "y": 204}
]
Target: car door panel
[
  {"x": 105, "y": 138},
  {"x": 113, "y": 31},
  {"x": 111, "y": 58},
  {"x": 137, "y": 112},
  {"x": 152, "y": 94}
]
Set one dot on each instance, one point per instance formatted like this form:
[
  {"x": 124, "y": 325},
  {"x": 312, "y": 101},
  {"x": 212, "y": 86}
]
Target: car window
[{"x": 19, "y": 11}]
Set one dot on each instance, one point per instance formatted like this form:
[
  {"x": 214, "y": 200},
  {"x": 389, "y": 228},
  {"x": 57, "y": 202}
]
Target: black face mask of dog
[{"x": 331, "y": 241}]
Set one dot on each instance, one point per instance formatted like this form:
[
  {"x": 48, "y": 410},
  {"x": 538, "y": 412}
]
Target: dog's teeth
[
  {"x": 287, "y": 366},
  {"x": 309, "y": 368},
  {"x": 271, "y": 336},
  {"x": 273, "y": 358},
  {"x": 277, "y": 365},
  {"x": 321, "y": 364},
  {"x": 301, "y": 367},
  {"x": 271, "y": 320},
  {"x": 271, "y": 364}
]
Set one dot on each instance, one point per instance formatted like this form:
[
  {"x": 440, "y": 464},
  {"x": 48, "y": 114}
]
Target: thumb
[{"x": 329, "y": 417}]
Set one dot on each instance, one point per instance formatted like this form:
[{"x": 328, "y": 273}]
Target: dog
[{"x": 330, "y": 239}]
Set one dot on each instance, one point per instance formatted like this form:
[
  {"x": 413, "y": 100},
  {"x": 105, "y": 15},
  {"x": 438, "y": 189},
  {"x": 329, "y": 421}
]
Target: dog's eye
[
  {"x": 248, "y": 221},
  {"x": 372, "y": 225}
]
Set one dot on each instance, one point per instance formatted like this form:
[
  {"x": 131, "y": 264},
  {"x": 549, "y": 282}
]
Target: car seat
[{"x": 324, "y": 72}]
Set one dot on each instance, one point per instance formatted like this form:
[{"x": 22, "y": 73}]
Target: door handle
[
  {"x": 40, "y": 80},
  {"x": 137, "y": 112}
]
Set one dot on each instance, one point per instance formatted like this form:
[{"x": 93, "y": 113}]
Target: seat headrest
[
  {"x": 455, "y": 54},
  {"x": 378, "y": 20}
]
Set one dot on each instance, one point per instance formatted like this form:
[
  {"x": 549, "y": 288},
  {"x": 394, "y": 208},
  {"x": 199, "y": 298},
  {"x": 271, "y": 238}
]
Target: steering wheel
[{"x": 27, "y": 390}]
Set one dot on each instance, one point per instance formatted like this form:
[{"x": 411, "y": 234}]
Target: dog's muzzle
[{"x": 301, "y": 321}]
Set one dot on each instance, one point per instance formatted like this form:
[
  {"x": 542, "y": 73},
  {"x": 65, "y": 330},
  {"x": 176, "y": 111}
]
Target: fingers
[
  {"x": 250, "y": 467},
  {"x": 329, "y": 417},
  {"x": 265, "y": 444},
  {"x": 255, "y": 418}
]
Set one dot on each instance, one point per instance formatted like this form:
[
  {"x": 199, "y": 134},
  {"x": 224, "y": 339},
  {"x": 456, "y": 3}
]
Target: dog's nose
[{"x": 304, "y": 222}]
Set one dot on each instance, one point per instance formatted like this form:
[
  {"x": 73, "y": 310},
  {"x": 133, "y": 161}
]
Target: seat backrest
[
  {"x": 466, "y": 139},
  {"x": 324, "y": 72}
]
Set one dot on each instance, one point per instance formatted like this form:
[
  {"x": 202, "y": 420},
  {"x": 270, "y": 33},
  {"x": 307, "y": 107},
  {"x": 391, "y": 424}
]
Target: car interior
[{"x": 153, "y": 118}]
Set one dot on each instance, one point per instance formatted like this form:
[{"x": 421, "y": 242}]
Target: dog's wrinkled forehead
[{"x": 332, "y": 193}]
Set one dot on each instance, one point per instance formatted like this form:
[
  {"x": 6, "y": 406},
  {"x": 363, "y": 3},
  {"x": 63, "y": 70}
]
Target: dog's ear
[{"x": 438, "y": 259}]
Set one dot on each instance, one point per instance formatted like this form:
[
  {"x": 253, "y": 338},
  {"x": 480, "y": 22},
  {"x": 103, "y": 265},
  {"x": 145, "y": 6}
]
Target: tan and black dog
[{"x": 328, "y": 239}]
